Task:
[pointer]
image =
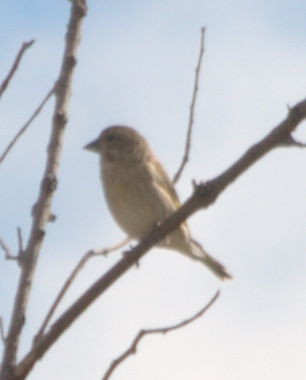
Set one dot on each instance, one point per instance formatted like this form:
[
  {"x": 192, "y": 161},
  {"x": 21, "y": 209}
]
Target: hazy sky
[{"x": 136, "y": 67}]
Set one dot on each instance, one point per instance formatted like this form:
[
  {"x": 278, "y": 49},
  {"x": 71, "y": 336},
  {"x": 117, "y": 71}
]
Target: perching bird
[{"x": 140, "y": 194}]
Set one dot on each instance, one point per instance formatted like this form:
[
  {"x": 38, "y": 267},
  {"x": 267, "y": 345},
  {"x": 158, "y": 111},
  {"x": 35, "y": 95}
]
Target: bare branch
[
  {"x": 204, "y": 195},
  {"x": 22, "y": 130},
  {"x": 20, "y": 244},
  {"x": 75, "y": 272},
  {"x": 5, "y": 249},
  {"x": 278, "y": 137},
  {"x": 8, "y": 255},
  {"x": 15, "y": 65},
  {"x": 291, "y": 142},
  {"x": 133, "y": 347},
  {"x": 48, "y": 186},
  {"x": 192, "y": 108},
  {"x": 2, "y": 331}
]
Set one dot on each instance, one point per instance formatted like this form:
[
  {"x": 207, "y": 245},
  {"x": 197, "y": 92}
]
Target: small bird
[{"x": 140, "y": 194}]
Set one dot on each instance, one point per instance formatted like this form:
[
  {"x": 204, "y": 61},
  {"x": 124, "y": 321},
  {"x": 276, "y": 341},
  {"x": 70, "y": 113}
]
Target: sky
[{"x": 135, "y": 66}]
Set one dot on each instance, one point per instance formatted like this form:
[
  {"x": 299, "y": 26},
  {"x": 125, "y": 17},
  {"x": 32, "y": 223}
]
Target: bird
[{"x": 140, "y": 194}]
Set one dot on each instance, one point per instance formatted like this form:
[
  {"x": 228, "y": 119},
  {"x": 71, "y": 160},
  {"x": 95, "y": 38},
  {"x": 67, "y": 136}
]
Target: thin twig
[
  {"x": 37, "y": 111},
  {"x": 73, "y": 275},
  {"x": 192, "y": 108},
  {"x": 133, "y": 347},
  {"x": 5, "y": 249},
  {"x": 2, "y": 331},
  {"x": 8, "y": 255},
  {"x": 20, "y": 244},
  {"x": 15, "y": 65}
]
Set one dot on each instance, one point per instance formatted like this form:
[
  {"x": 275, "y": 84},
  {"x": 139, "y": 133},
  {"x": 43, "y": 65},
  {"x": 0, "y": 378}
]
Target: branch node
[
  {"x": 40, "y": 233},
  {"x": 71, "y": 60},
  {"x": 81, "y": 7},
  {"x": 52, "y": 218},
  {"x": 207, "y": 192},
  {"x": 126, "y": 254},
  {"x": 291, "y": 142},
  {"x": 50, "y": 183},
  {"x": 60, "y": 119}
]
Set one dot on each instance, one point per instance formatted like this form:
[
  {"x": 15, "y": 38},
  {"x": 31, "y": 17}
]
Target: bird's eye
[{"x": 110, "y": 137}]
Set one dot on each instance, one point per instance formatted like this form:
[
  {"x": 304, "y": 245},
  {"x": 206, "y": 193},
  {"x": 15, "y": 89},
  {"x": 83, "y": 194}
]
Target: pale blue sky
[{"x": 136, "y": 66}]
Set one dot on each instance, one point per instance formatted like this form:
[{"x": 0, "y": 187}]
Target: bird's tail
[{"x": 198, "y": 253}]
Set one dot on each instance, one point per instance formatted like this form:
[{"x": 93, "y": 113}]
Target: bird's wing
[{"x": 163, "y": 181}]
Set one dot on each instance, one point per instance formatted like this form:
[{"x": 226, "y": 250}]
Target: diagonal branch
[
  {"x": 22, "y": 130},
  {"x": 133, "y": 347},
  {"x": 192, "y": 108},
  {"x": 204, "y": 195},
  {"x": 70, "y": 279},
  {"x": 15, "y": 65}
]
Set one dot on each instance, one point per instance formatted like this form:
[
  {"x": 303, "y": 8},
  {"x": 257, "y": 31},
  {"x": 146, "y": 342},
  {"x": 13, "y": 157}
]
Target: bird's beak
[{"x": 93, "y": 146}]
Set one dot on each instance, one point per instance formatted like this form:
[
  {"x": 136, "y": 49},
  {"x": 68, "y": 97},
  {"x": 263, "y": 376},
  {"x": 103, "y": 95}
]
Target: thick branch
[
  {"x": 204, "y": 195},
  {"x": 42, "y": 207}
]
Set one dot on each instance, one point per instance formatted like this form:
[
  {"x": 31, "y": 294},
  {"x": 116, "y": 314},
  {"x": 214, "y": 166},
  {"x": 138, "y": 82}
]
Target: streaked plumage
[{"x": 139, "y": 192}]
